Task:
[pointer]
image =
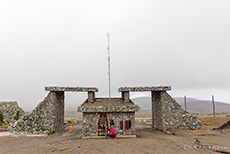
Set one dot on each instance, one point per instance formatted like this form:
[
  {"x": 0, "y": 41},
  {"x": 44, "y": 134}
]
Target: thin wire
[
  {"x": 109, "y": 65},
  {"x": 84, "y": 71},
  {"x": 114, "y": 87},
  {"x": 125, "y": 72},
  {"x": 114, "y": 83},
  {"x": 102, "y": 84}
]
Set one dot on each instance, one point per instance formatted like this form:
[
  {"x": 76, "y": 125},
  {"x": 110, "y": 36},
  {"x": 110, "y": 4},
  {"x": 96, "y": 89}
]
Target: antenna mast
[{"x": 109, "y": 65}]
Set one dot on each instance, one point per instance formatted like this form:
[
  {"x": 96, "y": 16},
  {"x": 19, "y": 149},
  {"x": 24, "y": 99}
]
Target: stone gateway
[{"x": 99, "y": 114}]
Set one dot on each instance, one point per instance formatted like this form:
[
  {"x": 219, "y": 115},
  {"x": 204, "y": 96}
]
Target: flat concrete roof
[
  {"x": 135, "y": 89},
  {"x": 72, "y": 89}
]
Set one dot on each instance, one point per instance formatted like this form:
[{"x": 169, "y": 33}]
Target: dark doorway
[{"x": 102, "y": 124}]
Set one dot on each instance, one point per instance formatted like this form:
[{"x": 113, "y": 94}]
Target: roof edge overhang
[{"x": 108, "y": 108}]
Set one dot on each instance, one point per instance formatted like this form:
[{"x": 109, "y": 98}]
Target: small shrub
[
  {"x": 1, "y": 116},
  {"x": 43, "y": 129},
  {"x": 5, "y": 124},
  {"x": 16, "y": 117},
  {"x": 51, "y": 132},
  {"x": 22, "y": 130}
]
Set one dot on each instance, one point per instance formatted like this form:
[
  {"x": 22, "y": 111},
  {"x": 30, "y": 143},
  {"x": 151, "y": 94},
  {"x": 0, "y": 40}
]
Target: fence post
[
  {"x": 213, "y": 104},
  {"x": 185, "y": 105}
]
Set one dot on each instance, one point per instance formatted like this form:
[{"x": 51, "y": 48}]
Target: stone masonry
[
  {"x": 90, "y": 120},
  {"x": 72, "y": 89},
  {"x": 48, "y": 116},
  {"x": 166, "y": 112},
  {"x": 123, "y": 116},
  {"x": 116, "y": 110},
  {"x": 10, "y": 109}
]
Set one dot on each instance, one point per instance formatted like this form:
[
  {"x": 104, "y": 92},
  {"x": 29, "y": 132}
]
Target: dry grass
[
  {"x": 6, "y": 124},
  {"x": 207, "y": 121},
  {"x": 73, "y": 121},
  {"x": 214, "y": 121}
]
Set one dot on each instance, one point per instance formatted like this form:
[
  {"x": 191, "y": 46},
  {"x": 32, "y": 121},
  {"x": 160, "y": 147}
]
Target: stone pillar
[
  {"x": 156, "y": 109},
  {"x": 91, "y": 96},
  {"x": 125, "y": 96},
  {"x": 59, "y": 110}
]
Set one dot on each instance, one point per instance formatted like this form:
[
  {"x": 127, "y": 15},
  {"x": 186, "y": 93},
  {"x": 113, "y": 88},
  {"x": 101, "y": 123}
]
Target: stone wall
[
  {"x": 90, "y": 122},
  {"x": 123, "y": 116},
  {"x": 168, "y": 114},
  {"x": 10, "y": 109},
  {"x": 47, "y": 116}
]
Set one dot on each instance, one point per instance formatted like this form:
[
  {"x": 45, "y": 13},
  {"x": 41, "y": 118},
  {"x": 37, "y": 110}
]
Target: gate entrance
[
  {"x": 102, "y": 127},
  {"x": 49, "y": 114}
]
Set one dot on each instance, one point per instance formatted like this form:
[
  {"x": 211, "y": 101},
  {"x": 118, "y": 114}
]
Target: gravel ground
[{"x": 147, "y": 141}]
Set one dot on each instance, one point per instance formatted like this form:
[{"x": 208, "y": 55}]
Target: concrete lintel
[
  {"x": 135, "y": 89},
  {"x": 72, "y": 89}
]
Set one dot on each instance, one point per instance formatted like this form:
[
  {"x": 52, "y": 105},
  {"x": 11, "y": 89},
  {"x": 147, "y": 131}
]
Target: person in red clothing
[{"x": 112, "y": 133}]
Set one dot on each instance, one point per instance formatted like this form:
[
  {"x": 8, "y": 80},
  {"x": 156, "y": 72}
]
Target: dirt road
[{"x": 147, "y": 141}]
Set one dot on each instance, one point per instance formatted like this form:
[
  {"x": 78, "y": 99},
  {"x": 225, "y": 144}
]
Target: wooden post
[
  {"x": 185, "y": 105},
  {"x": 213, "y": 103}
]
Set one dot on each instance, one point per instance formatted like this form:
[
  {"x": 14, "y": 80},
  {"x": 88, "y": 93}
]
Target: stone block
[
  {"x": 72, "y": 89},
  {"x": 141, "y": 89}
]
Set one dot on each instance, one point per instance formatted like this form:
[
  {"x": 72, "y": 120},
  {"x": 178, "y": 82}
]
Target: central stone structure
[{"x": 105, "y": 113}]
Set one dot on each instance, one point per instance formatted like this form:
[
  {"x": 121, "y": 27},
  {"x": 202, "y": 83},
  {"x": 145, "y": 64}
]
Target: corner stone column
[
  {"x": 91, "y": 96},
  {"x": 156, "y": 110},
  {"x": 125, "y": 96},
  {"x": 58, "y": 110}
]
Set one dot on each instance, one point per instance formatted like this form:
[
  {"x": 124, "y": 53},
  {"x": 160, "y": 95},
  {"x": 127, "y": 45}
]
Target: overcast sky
[{"x": 181, "y": 43}]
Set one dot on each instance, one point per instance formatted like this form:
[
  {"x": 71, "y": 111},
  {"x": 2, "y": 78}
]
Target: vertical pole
[
  {"x": 109, "y": 65},
  {"x": 213, "y": 103},
  {"x": 185, "y": 103}
]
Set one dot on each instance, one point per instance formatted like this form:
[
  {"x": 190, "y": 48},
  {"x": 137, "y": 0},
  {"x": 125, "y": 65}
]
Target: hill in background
[{"x": 193, "y": 105}]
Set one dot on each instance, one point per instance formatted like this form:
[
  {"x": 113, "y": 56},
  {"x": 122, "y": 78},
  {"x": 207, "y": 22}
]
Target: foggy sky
[{"x": 180, "y": 43}]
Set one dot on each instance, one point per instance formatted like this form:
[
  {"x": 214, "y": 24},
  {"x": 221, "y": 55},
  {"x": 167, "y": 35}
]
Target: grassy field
[{"x": 214, "y": 121}]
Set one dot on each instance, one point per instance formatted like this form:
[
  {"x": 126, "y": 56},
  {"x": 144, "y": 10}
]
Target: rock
[
  {"x": 167, "y": 132},
  {"x": 48, "y": 115},
  {"x": 10, "y": 109}
]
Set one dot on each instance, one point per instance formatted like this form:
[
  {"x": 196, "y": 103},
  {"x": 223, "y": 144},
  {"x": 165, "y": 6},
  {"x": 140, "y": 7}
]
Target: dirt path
[{"x": 148, "y": 141}]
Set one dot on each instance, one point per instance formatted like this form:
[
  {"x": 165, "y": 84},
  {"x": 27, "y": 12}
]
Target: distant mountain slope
[
  {"x": 193, "y": 105},
  {"x": 143, "y": 102}
]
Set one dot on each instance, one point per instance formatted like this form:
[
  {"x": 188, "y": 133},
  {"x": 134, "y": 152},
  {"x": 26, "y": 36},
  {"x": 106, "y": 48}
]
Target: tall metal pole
[
  {"x": 185, "y": 105},
  {"x": 109, "y": 74},
  {"x": 213, "y": 103}
]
